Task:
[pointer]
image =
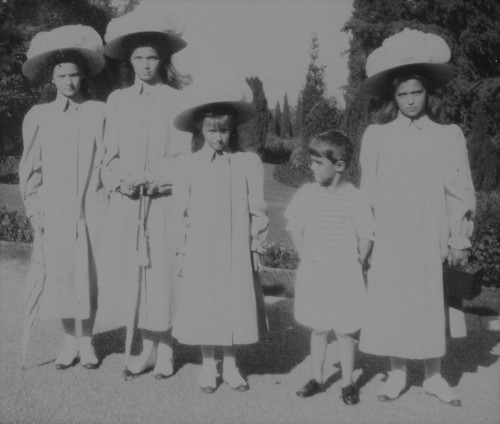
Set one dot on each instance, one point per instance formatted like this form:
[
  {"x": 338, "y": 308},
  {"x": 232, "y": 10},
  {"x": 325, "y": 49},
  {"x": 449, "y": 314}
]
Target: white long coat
[
  {"x": 221, "y": 209},
  {"x": 139, "y": 137},
  {"x": 418, "y": 180},
  {"x": 59, "y": 177}
]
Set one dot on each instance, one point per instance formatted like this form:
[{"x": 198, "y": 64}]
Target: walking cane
[{"x": 142, "y": 261}]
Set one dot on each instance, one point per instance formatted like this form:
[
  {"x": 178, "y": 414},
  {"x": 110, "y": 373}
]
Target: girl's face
[
  {"x": 411, "y": 98},
  {"x": 146, "y": 63},
  {"x": 67, "y": 79},
  {"x": 217, "y": 131}
]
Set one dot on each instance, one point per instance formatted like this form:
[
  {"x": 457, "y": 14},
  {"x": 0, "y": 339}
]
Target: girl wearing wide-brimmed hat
[
  {"x": 60, "y": 181},
  {"x": 416, "y": 172},
  {"x": 222, "y": 222},
  {"x": 138, "y": 253}
]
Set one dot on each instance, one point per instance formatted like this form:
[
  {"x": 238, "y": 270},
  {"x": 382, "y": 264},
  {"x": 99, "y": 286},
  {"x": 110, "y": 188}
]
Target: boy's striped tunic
[{"x": 330, "y": 289}]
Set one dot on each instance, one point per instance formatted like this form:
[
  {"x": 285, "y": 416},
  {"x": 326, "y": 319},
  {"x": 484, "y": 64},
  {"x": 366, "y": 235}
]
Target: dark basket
[{"x": 463, "y": 282}]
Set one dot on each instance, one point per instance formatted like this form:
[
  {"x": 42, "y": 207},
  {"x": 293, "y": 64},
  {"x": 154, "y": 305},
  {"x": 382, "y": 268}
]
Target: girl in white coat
[
  {"x": 60, "y": 182},
  {"x": 140, "y": 145},
  {"x": 416, "y": 173}
]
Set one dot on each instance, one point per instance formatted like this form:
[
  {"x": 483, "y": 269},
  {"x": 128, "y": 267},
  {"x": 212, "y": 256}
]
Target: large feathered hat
[
  {"x": 408, "y": 51},
  {"x": 220, "y": 93},
  {"x": 45, "y": 46},
  {"x": 145, "y": 25}
]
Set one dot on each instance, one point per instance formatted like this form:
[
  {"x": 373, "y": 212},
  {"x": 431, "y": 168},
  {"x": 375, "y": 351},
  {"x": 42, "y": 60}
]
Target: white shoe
[
  {"x": 393, "y": 387},
  {"x": 208, "y": 378},
  {"x": 145, "y": 361},
  {"x": 88, "y": 358},
  {"x": 437, "y": 386},
  {"x": 68, "y": 355},
  {"x": 232, "y": 376}
]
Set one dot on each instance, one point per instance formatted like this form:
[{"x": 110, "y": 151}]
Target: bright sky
[{"x": 269, "y": 39}]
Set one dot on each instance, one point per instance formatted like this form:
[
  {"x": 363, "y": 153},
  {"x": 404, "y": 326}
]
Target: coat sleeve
[
  {"x": 112, "y": 173},
  {"x": 181, "y": 191},
  {"x": 259, "y": 221},
  {"x": 30, "y": 166},
  {"x": 368, "y": 158},
  {"x": 459, "y": 189},
  {"x": 362, "y": 216}
]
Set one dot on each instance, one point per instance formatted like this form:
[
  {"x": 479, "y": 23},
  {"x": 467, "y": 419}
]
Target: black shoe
[
  {"x": 61, "y": 367},
  {"x": 350, "y": 395},
  {"x": 311, "y": 388},
  {"x": 91, "y": 365},
  {"x": 129, "y": 375}
]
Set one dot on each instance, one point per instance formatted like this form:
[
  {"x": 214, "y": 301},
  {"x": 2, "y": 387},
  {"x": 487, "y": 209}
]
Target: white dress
[
  {"x": 417, "y": 177},
  {"x": 330, "y": 290}
]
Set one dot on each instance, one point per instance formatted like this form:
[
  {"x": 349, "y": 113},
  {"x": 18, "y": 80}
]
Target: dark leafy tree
[
  {"x": 277, "y": 120},
  {"x": 20, "y": 20},
  {"x": 471, "y": 29},
  {"x": 286, "y": 123},
  {"x": 253, "y": 133},
  {"x": 297, "y": 122}
]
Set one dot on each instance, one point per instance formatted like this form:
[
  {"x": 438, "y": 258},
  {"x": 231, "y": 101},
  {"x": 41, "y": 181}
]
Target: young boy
[{"x": 332, "y": 227}]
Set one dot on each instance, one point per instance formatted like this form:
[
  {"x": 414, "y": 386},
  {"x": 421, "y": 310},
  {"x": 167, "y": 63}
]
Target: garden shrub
[
  {"x": 15, "y": 226},
  {"x": 277, "y": 150},
  {"x": 276, "y": 256},
  {"x": 486, "y": 237},
  {"x": 295, "y": 171}
]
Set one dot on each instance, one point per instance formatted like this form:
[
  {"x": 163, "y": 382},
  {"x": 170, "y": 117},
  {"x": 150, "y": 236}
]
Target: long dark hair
[
  {"x": 386, "y": 108},
  {"x": 48, "y": 91},
  {"x": 168, "y": 74}
]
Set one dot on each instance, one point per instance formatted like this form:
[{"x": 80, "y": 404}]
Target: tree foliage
[
  {"x": 471, "y": 30},
  {"x": 253, "y": 133},
  {"x": 277, "y": 119},
  {"x": 286, "y": 123},
  {"x": 20, "y": 20}
]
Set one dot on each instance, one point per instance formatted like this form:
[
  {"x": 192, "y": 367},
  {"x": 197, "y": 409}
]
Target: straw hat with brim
[
  {"x": 47, "y": 46},
  {"x": 208, "y": 97},
  {"x": 404, "y": 53},
  {"x": 143, "y": 25}
]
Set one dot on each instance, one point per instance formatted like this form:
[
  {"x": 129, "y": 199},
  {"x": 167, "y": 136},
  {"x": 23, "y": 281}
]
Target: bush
[
  {"x": 486, "y": 237},
  {"x": 15, "y": 226},
  {"x": 278, "y": 150},
  {"x": 275, "y": 256},
  {"x": 295, "y": 171}
]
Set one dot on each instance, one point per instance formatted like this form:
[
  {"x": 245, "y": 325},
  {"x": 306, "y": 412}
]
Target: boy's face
[
  {"x": 217, "y": 132},
  {"x": 324, "y": 170}
]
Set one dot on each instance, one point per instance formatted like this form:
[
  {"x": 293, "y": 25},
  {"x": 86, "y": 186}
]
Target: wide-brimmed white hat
[
  {"x": 215, "y": 94},
  {"x": 409, "y": 50},
  {"x": 45, "y": 45},
  {"x": 149, "y": 25}
]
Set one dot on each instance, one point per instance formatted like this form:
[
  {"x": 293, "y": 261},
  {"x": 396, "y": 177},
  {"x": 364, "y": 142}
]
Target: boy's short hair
[{"x": 333, "y": 145}]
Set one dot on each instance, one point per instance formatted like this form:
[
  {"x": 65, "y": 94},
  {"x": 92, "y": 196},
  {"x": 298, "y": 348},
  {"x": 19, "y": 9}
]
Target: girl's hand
[
  {"x": 130, "y": 185},
  {"x": 458, "y": 257},
  {"x": 256, "y": 263},
  {"x": 37, "y": 223}
]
